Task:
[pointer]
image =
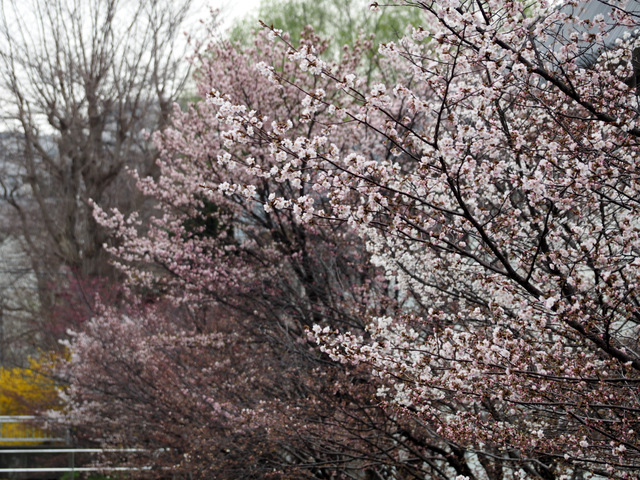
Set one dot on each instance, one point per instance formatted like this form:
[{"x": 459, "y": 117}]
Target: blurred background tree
[
  {"x": 81, "y": 81},
  {"x": 341, "y": 20}
]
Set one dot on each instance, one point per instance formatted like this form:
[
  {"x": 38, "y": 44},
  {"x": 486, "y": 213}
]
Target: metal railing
[{"x": 21, "y": 429}]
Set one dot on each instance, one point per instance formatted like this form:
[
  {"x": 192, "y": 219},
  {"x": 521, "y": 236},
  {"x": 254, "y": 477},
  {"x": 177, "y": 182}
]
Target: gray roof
[{"x": 587, "y": 10}]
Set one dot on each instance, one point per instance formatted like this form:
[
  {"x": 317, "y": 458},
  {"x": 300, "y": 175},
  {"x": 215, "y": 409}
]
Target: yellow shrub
[{"x": 24, "y": 391}]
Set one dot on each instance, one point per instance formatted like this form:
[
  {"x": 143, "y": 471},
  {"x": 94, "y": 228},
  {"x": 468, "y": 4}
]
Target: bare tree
[
  {"x": 84, "y": 79},
  {"x": 81, "y": 80}
]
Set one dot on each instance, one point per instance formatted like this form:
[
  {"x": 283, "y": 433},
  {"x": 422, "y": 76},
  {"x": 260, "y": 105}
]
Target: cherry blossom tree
[
  {"x": 489, "y": 172},
  {"x": 212, "y": 241},
  {"x": 248, "y": 285},
  {"x": 507, "y": 217},
  {"x": 230, "y": 404},
  {"x": 252, "y": 396}
]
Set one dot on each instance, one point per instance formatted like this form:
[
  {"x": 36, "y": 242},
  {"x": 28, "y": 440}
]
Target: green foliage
[{"x": 340, "y": 20}]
